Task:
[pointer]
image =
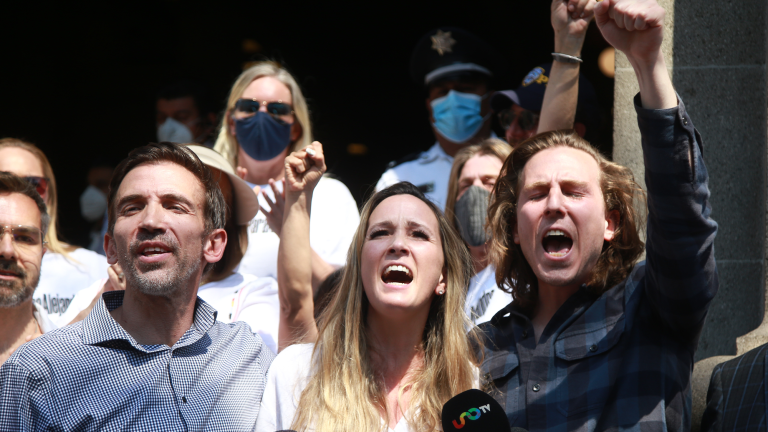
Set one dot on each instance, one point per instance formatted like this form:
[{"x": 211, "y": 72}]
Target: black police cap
[{"x": 449, "y": 52}]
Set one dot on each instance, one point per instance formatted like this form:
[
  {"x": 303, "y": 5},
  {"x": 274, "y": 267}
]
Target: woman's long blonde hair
[
  {"x": 345, "y": 393},
  {"x": 226, "y": 143},
  {"x": 52, "y": 237}
]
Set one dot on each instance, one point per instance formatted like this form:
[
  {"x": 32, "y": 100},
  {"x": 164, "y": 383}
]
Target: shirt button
[
  {"x": 685, "y": 121},
  {"x": 184, "y": 399},
  {"x": 593, "y": 348},
  {"x": 536, "y": 387},
  {"x": 525, "y": 334}
]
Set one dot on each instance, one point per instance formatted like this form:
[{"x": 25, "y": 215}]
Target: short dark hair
[
  {"x": 188, "y": 88},
  {"x": 214, "y": 209},
  {"x": 11, "y": 183}
]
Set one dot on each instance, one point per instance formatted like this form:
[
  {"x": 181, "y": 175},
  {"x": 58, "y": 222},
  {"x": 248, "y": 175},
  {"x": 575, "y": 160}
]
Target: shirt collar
[
  {"x": 436, "y": 152},
  {"x": 99, "y": 328}
]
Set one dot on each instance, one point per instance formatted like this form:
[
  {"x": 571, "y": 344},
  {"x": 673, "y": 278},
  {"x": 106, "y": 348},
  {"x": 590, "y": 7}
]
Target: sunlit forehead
[
  {"x": 561, "y": 166},
  {"x": 161, "y": 181},
  {"x": 403, "y": 212}
]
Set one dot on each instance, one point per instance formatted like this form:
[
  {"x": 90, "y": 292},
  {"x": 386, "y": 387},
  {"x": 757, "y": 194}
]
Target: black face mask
[
  {"x": 261, "y": 136},
  {"x": 471, "y": 211}
]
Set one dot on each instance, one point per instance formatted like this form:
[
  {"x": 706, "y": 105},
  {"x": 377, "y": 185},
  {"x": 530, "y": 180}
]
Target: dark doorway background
[{"x": 79, "y": 80}]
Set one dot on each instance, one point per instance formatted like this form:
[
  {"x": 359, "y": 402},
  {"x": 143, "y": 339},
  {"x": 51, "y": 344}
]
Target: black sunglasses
[
  {"x": 527, "y": 120},
  {"x": 251, "y": 106}
]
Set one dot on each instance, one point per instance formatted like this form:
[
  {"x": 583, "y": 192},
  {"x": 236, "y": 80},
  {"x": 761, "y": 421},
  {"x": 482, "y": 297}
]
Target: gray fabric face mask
[{"x": 471, "y": 211}]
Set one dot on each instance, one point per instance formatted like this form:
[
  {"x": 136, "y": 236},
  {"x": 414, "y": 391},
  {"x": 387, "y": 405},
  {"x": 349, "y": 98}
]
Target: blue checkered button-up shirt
[
  {"x": 622, "y": 361},
  {"x": 93, "y": 376}
]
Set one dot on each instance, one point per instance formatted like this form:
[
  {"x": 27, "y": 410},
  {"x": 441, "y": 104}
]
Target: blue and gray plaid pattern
[
  {"x": 736, "y": 400},
  {"x": 622, "y": 361},
  {"x": 94, "y": 376}
]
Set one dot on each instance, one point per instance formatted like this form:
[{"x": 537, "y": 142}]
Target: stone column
[{"x": 716, "y": 52}]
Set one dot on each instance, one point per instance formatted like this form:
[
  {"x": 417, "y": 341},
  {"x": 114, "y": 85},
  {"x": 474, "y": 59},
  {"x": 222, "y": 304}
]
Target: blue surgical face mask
[
  {"x": 261, "y": 136},
  {"x": 457, "y": 116}
]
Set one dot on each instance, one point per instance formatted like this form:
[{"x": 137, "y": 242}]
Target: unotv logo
[{"x": 472, "y": 414}]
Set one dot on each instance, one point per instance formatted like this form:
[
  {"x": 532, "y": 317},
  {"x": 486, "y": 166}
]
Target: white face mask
[
  {"x": 93, "y": 204},
  {"x": 174, "y": 131}
]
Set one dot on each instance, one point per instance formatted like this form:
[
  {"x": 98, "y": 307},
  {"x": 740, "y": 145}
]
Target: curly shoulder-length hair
[{"x": 620, "y": 193}]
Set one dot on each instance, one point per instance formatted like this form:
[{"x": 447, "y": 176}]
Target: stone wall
[{"x": 717, "y": 53}]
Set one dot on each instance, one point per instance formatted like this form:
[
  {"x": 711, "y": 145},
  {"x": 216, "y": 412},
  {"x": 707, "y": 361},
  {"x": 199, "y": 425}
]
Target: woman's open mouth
[{"x": 397, "y": 275}]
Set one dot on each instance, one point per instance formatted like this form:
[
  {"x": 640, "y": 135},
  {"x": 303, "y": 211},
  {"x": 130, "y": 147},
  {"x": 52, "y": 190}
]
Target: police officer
[
  {"x": 455, "y": 67},
  {"x": 518, "y": 110}
]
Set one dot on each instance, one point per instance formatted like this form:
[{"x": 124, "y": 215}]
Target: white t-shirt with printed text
[
  {"x": 484, "y": 298},
  {"x": 333, "y": 221},
  {"x": 61, "y": 278},
  {"x": 247, "y": 298}
]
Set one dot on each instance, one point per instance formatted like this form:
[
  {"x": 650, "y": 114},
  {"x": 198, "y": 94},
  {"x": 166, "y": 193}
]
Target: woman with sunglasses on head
[
  {"x": 391, "y": 347},
  {"x": 65, "y": 268},
  {"x": 267, "y": 118}
]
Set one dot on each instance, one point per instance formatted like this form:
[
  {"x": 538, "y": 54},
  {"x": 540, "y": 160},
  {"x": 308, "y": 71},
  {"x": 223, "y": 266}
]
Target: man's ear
[
  {"x": 214, "y": 246},
  {"x": 612, "y": 219},
  {"x": 580, "y": 128},
  {"x": 428, "y": 103},
  {"x": 110, "y": 249}
]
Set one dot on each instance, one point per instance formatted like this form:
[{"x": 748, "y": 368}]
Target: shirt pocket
[
  {"x": 587, "y": 365},
  {"x": 502, "y": 371}
]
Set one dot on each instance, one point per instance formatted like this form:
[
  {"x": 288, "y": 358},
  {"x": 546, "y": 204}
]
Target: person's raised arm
[
  {"x": 635, "y": 27},
  {"x": 303, "y": 170},
  {"x": 680, "y": 273},
  {"x": 320, "y": 267},
  {"x": 570, "y": 20}
]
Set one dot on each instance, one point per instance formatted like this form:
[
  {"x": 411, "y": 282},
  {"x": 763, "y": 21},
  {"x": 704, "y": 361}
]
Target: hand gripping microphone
[{"x": 474, "y": 410}]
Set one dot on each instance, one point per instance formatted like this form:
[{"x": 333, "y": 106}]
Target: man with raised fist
[{"x": 594, "y": 339}]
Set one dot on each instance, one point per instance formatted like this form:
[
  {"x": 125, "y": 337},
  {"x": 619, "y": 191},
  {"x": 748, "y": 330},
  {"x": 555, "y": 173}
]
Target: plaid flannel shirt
[
  {"x": 93, "y": 376},
  {"x": 622, "y": 360}
]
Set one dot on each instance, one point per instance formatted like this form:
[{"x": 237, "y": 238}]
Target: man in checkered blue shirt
[
  {"x": 152, "y": 357},
  {"x": 595, "y": 341}
]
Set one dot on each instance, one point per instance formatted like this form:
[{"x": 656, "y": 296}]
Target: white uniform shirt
[
  {"x": 288, "y": 376},
  {"x": 333, "y": 222},
  {"x": 429, "y": 172},
  {"x": 62, "y": 278},
  {"x": 246, "y": 298},
  {"x": 484, "y": 298}
]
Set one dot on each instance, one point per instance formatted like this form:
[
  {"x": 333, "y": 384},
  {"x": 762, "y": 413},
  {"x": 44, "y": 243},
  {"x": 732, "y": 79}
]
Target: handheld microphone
[{"x": 474, "y": 411}]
